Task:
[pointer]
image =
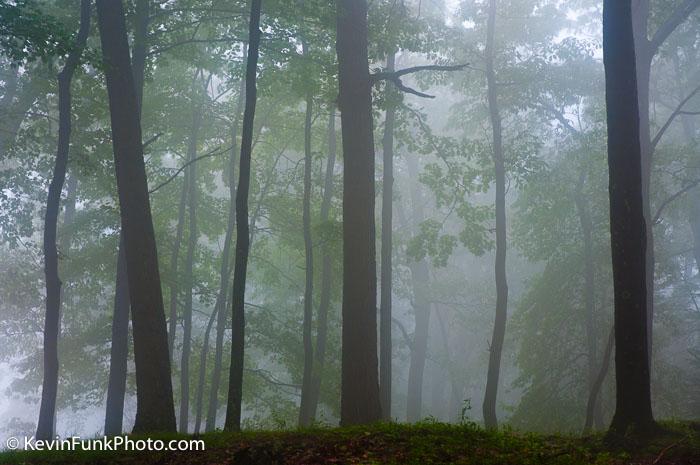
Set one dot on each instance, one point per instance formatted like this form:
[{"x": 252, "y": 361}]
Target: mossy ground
[{"x": 425, "y": 444}]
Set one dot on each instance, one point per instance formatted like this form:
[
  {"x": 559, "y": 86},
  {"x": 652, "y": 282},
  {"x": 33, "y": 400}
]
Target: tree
[
  {"x": 359, "y": 394},
  {"x": 49, "y": 390},
  {"x": 627, "y": 223},
  {"x": 235, "y": 387},
  {"x": 155, "y": 408},
  {"x": 499, "y": 327}
]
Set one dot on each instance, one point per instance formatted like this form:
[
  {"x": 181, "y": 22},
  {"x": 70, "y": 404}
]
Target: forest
[{"x": 351, "y": 231}]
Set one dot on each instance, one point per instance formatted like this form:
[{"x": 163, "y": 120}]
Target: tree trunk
[
  {"x": 199, "y": 398},
  {"x": 420, "y": 279},
  {"x": 189, "y": 265},
  {"x": 174, "y": 259},
  {"x": 154, "y": 409},
  {"x": 326, "y": 274},
  {"x": 627, "y": 225},
  {"x": 235, "y": 387},
  {"x": 49, "y": 389},
  {"x": 359, "y": 390},
  {"x": 116, "y": 389},
  {"x": 305, "y": 413},
  {"x": 588, "y": 291},
  {"x": 119, "y": 351},
  {"x": 499, "y": 327},
  {"x": 386, "y": 263},
  {"x": 222, "y": 296},
  {"x": 593, "y": 396}
]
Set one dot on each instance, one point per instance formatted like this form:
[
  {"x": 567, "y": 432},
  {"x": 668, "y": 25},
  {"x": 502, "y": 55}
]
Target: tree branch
[
  {"x": 676, "y": 112},
  {"x": 677, "y": 17},
  {"x": 216, "y": 151},
  {"x": 395, "y": 76},
  {"x": 666, "y": 202}
]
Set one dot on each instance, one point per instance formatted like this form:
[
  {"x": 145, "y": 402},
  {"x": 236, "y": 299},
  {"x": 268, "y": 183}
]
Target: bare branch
[
  {"x": 216, "y": 151},
  {"x": 670, "y": 119},
  {"x": 666, "y": 202},
  {"x": 677, "y": 17},
  {"x": 395, "y": 76}
]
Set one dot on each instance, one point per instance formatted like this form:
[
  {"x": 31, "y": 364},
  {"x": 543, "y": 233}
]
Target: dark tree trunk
[
  {"x": 588, "y": 291},
  {"x": 499, "y": 327},
  {"x": 627, "y": 225},
  {"x": 199, "y": 397},
  {"x": 49, "y": 389},
  {"x": 326, "y": 274},
  {"x": 222, "y": 296},
  {"x": 386, "y": 263},
  {"x": 116, "y": 389},
  {"x": 154, "y": 410},
  {"x": 305, "y": 413},
  {"x": 189, "y": 273},
  {"x": 359, "y": 390},
  {"x": 420, "y": 280},
  {"x": 235, "y": 386},
  {"x": 593, "y": 403},
  {"x": 119, "y": 352}
]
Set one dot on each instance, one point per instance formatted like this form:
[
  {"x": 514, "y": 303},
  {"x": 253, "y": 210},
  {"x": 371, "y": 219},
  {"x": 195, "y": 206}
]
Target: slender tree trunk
[
  {"x": 174, "y": 262},
  {"x": 326, "y": 274},
  {"x": 588, "y": 289},
  {"x": 627, "y": 225},
  {"x": 189, "y": 274},
  {"x": 154, "y": 408},
  {"x": 420, "y": 280},
  {"x": 222, "y": 296},
  {"x": 235, "y": 387},
  {"x": 116, "y": 389},
  {"x": 594, "y": 393},
  {"x": 305, "y": 413},
  {"x": 359, "y": 392},
  {"x": 386, "y": 263},
  {"x": 199, "y": 397},
  {"x": 13, "y": 112},
  {"x": 49, "y": 390},
  {"x": 499, "y": 327},
  {"x": 119, "y": 352}
]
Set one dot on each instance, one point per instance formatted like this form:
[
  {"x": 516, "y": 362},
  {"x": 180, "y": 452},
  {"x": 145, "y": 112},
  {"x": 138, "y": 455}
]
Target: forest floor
[{"x": 424, "y": 443}]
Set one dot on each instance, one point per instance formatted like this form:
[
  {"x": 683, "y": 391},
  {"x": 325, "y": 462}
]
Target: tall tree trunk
[
  {"x": 594, "y": 393},
  {"x": 588, "y": 290},
  {"x": 499, "y": 327},
  {"x": 174, "y": 262},
  {"x": 359, "y": 392},
  {"x": 116, "y": 389},
  {"x": 119, "y": 352},
  {"x": 49, "y": 389},
  {"x": 326, "y": 274},
  {"x": 386, "y": 263},
  {"x": 627, "y": 225},
  {"x": 154, "y": 395},
  {"x": 420, "y": 281},
  {"x": 199, "y": 397},
  {"x": 305, "y": 413},
  {"x": 222, "y": 296},
  {"x": 189, "y": 278},
  {"x": 235, "y": 385}
]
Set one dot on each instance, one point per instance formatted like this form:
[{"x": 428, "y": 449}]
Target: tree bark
[
  {"x": 499, "y": 327},
  {"x": 154, "y": 409},
  {"x": 359, "y": 394},
  {"x": 222, "y": 296},
  {"x": 305, "y": 412},
  {"x": 326, "y": 274},
  {"x": 627, "y": 224},
  {"x": 49, "y": 389},
  {"x": 386, "y": 262},
  {"x": 189, "y": 266},
  {"x": 235, "y": 388},
  {"x": 174, "y": 261}
]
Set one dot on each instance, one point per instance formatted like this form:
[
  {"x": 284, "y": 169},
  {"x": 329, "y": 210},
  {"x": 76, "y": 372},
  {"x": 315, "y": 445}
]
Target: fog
[{"x": 532, "y": 97}]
